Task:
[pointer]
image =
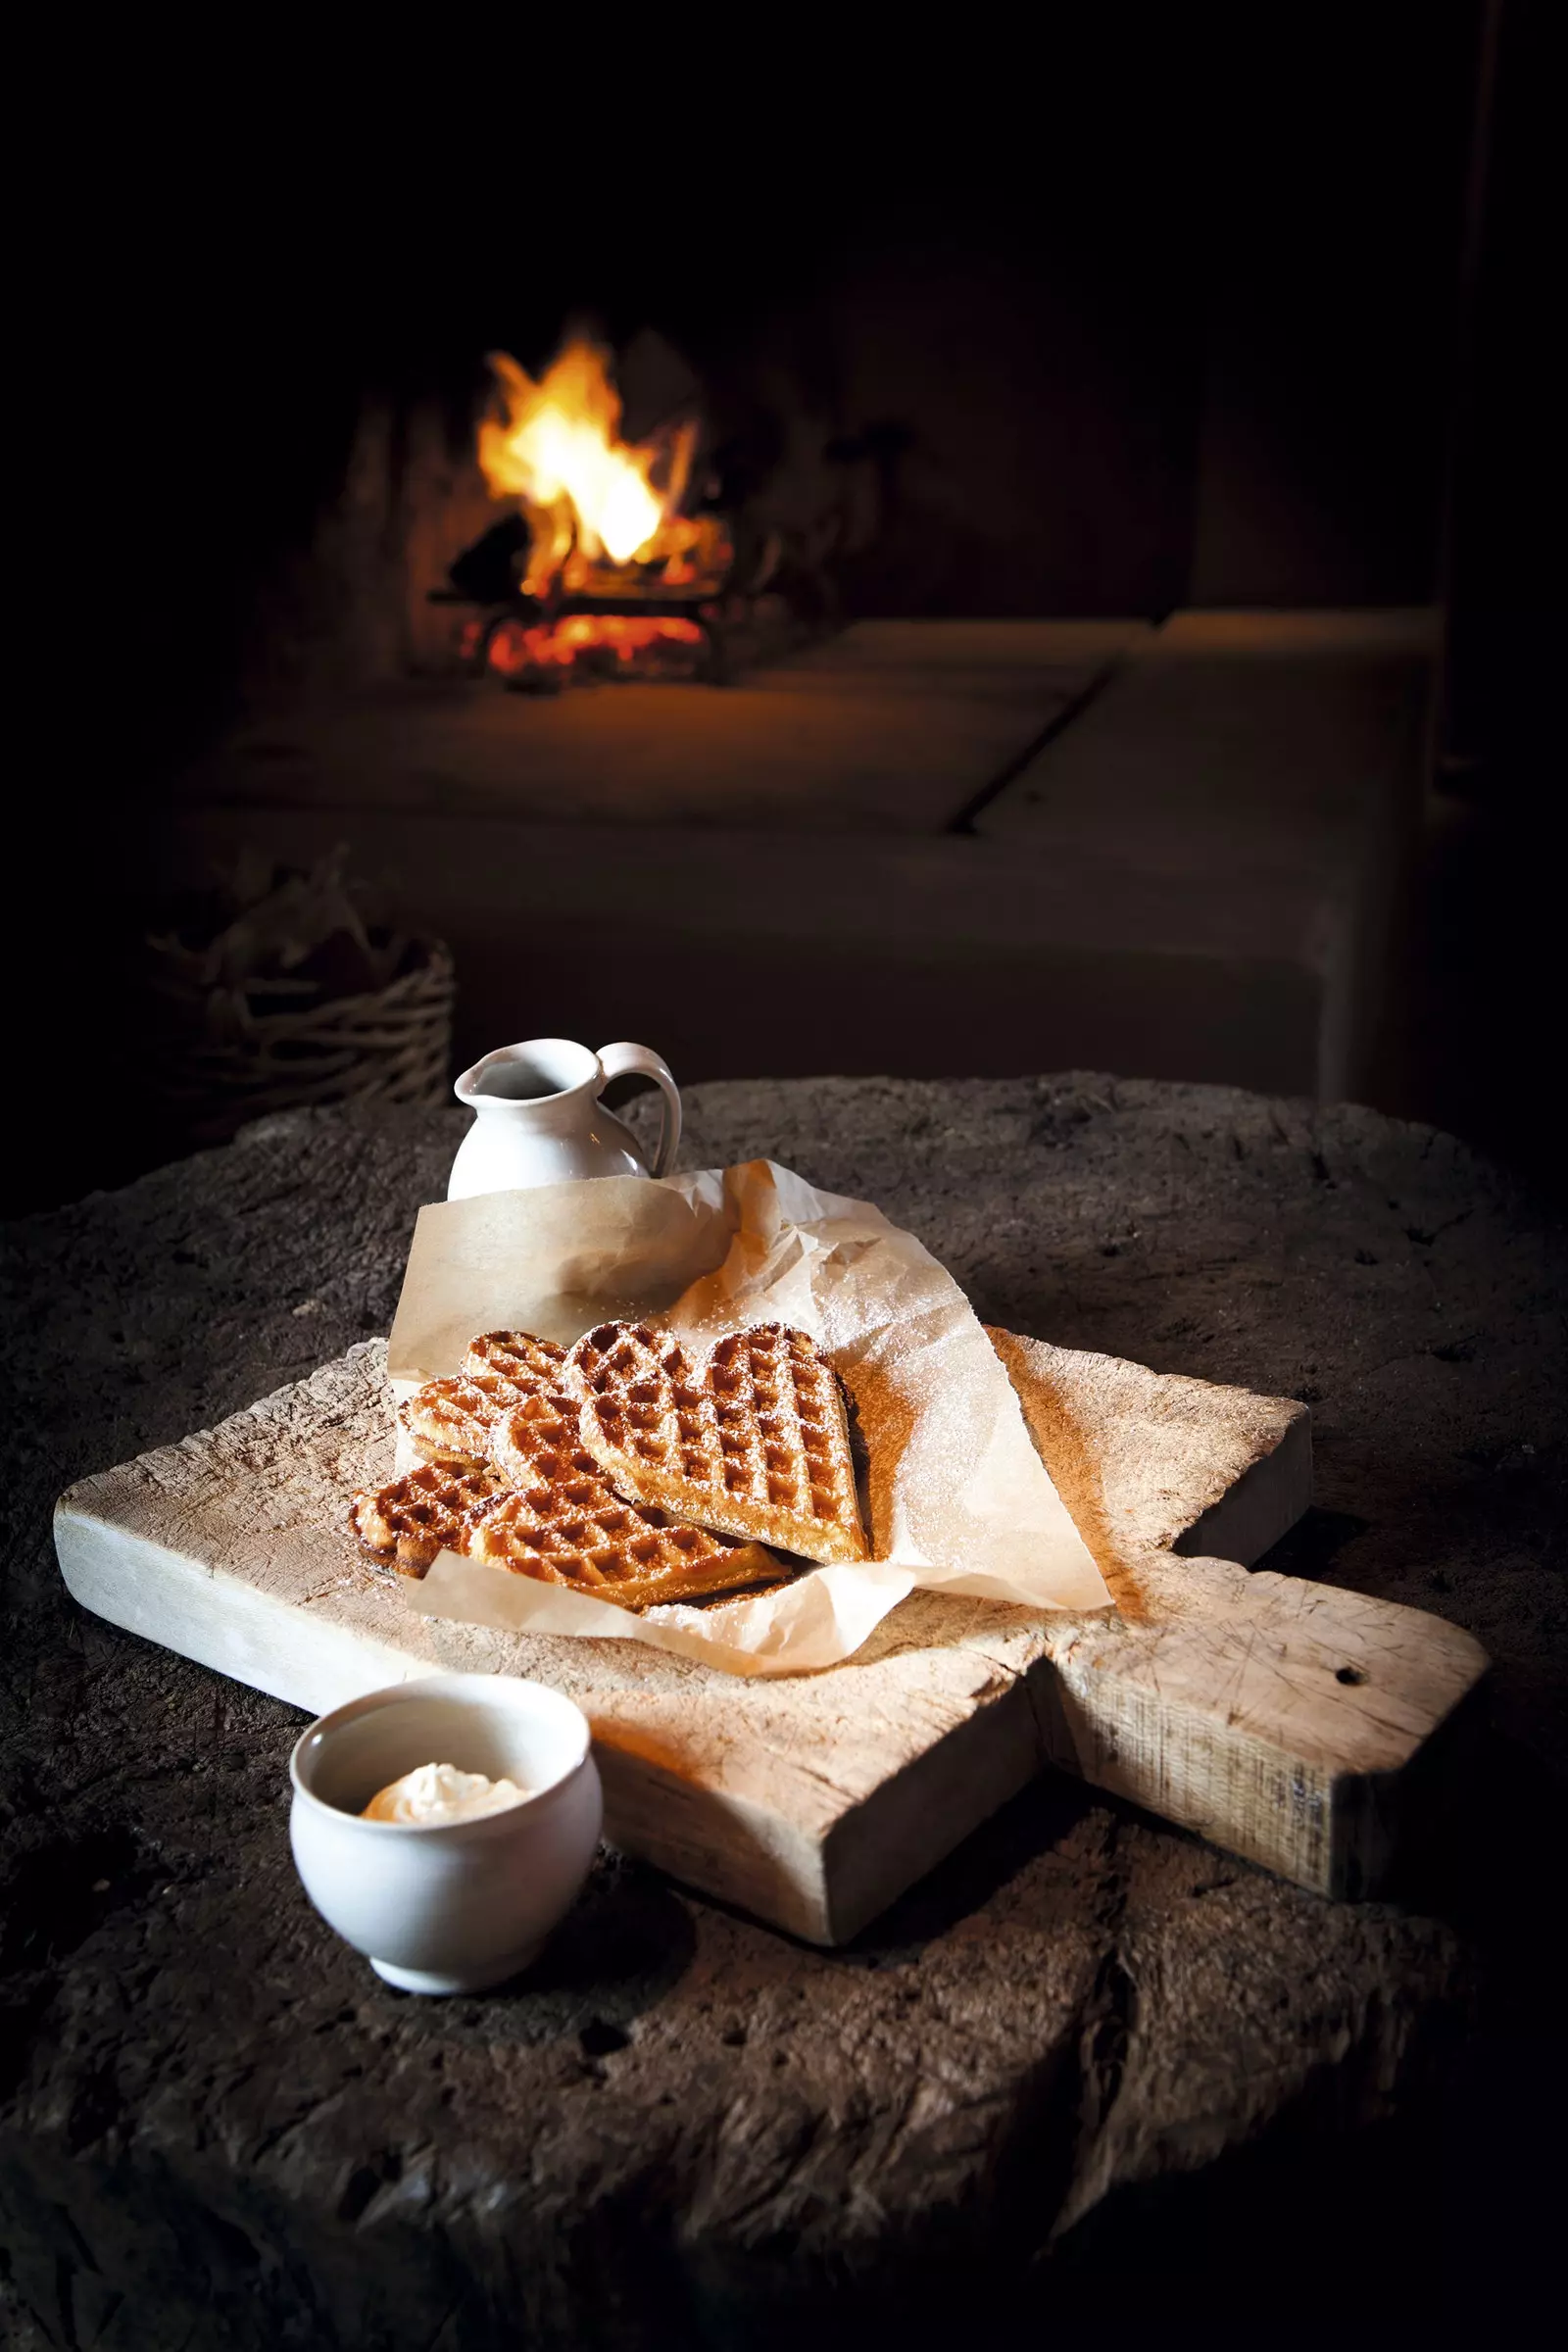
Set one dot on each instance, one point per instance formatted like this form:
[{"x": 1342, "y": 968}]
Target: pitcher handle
[{"x": 626, "y": 1060}]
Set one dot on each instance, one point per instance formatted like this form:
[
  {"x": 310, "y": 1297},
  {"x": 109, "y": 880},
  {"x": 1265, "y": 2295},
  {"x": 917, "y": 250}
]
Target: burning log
[{"x": 600, "y": 570}]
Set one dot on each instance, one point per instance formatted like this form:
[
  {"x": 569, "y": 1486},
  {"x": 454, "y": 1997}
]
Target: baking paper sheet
[{"x": 955, "y": 1494}]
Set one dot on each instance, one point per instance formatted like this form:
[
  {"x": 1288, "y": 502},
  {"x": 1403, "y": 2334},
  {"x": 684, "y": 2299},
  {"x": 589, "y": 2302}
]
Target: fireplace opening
[
  {"x": 615, "y": 559},
  {"x": 612, "y": 562}
]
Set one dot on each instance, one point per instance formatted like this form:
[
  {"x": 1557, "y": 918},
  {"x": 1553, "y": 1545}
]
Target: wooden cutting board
[{"x": 1272, "y": 1716}]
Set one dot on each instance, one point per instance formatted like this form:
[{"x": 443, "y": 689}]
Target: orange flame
[{"x": 557, "y": 446}]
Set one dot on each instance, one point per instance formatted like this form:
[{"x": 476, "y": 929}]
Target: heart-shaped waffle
[
  {"x": 531, "y": 1428},
  {"x": 451, "y": 1421},
  {"x": 533, "y": 1367},
  {"x": 564, "y": 1524},
  {"x": 750, "y": 1439},
  {"x": 404, "y": 1525}
]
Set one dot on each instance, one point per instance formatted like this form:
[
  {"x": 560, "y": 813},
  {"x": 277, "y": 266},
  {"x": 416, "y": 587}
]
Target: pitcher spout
[{"x": 544, "y": 1069}]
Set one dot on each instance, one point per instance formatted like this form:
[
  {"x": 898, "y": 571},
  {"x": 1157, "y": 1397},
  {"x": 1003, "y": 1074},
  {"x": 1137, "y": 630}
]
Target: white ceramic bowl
[{"x": 445, "y": 1906}]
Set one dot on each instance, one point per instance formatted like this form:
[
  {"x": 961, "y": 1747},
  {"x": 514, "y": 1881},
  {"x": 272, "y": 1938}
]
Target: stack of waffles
[{"x": 629, "y": 1467}]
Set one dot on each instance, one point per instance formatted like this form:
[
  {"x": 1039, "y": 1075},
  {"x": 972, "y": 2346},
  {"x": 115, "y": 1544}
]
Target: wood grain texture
[
  {"x": 1252, "y": 1710},
  {"x": 1272, "y": 1715}
]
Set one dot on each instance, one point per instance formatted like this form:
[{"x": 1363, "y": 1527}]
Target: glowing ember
[
  {"x": 620, "y": 643},
  {"x": 555, "y": 445}
]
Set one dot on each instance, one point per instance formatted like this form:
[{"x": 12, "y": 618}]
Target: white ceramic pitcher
[{"x": 539, "y": 1120}]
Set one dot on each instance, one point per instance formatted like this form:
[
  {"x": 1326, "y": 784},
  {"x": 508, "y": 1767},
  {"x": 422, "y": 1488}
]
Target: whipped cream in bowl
[
  {"x": 441, "y": 1793},
  {"x": 445, "y": 1825}
]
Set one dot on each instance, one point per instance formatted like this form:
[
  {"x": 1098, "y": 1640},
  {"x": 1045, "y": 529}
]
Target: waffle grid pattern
[
  {"x": 564, "y": 1524},
  {"x": 525, "y": 1450},
  {"x": 534, "y": 1367},
  {"x": 452, "y": 1422},
  {"x": 404, "y": 1524},
  {"x": 754, "y": 1442}
]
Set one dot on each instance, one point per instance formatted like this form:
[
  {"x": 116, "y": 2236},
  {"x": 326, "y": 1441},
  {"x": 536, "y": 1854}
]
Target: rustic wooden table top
[{"x": 1087, "y": 2048}]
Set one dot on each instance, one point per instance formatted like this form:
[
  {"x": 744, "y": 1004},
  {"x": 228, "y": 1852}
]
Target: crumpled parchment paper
[{"x": 954, "y": 1494}]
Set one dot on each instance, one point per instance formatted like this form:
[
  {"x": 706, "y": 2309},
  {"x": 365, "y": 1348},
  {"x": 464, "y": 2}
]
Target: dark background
[{"x": 1200, "y": 307}]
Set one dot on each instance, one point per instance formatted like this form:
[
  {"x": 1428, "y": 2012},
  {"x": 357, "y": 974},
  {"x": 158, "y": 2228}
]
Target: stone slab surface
[
  {"x": 1275, "y": 738},
  {"x": 1185, "y": 851},
  {"x": 1248, "y": 749},
  {"x": 891, "y": 727},
  {"x": 986, "y": 959},
  {"x": 1088, "y": 2048}
]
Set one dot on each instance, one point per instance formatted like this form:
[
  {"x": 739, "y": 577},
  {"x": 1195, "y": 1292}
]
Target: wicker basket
[{"x": 394, "y": 1046}]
